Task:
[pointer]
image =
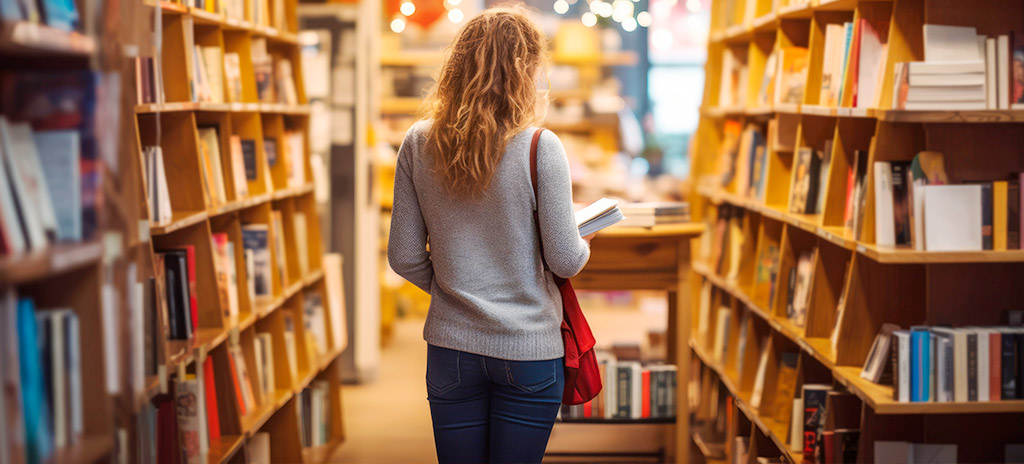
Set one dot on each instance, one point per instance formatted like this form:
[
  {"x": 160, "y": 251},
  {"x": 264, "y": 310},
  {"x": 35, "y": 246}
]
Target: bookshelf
[
  {"x": 235, "y": 153},
  {"x": 855, "y": 282}
]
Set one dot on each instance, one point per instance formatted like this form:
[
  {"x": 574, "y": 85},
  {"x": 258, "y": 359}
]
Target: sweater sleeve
[
  {"x": 564, "y": 250},
  {"x": 407, "y": 242}
]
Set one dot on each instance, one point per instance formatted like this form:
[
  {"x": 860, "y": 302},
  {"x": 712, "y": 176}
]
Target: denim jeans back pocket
[
  {"x": 442, "y": 370},
  {"x": 532, "y": 376}
]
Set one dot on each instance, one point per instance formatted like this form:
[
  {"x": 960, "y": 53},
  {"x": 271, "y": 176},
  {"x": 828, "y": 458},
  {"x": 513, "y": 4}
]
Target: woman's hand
[{"x": 589, "y": 237}]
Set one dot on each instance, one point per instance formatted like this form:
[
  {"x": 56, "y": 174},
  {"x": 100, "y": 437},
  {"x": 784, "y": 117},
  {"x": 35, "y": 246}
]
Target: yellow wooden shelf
[
  {"x": 435, "y": 58},
  {"x": 401, "y": 105},
  {"x": 878, "y": 397},
  {"x": 224, "y": 448},
  {"x": 52, "y": 261},
  {"x": 293, "y": 191},
  {"x": 238, "y": 107},
  {"x": 238, "y": 205},
  {"x": 179, "y": 220},
  {"x": 320, "y": 453},
  {"x": 88, "y": 449},
  {"x": 839, "y": 236},
  {"x": 889, "y": 115},
  {"x": 28, "y": 38}
]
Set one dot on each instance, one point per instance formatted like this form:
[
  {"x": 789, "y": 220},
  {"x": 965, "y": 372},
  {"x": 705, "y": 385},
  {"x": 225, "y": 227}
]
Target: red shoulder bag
[{"x": 582, "y": 376}]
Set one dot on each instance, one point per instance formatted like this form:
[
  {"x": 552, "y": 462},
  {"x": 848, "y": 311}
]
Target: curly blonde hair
[{"x": 484, "y": 96}]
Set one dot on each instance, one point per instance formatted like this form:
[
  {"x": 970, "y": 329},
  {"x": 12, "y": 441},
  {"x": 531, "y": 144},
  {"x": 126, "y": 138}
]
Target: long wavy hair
[{"x": 485, "y": 95}]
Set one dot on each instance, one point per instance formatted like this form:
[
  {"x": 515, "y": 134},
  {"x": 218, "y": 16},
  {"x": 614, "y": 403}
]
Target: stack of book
[
  {"x": 652, "y": 214},
  {"x": 810, "y": 179},
  {"x": 915, "y": 205},
  {"x": 179, "y": 272},
  {"x": 945, "y": 364},
  {"x": 41, "y": 377},
  {"x": 314, "y": 414},
  {"x": 961, "y": 71},
  {"x": 148, "y": 88},
  {"x": 631, "y": 391}
]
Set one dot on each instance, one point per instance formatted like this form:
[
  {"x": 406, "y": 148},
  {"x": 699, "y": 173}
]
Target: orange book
[
  {"x": 999, "y": 215},
  {"x": 212, "y": 419},
  {"x": 995, "y": 378},
  {"x": 238, "y": 388}
]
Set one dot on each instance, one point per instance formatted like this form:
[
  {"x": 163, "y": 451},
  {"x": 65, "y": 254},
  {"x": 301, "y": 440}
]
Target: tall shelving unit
[
  {"x": 856, "y": 285},
  {"x": 174, "y": 126}
]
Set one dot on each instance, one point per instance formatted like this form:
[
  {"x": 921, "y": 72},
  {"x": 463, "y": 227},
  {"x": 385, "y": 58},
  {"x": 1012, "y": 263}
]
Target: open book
[{"x": 598, "y": 215}]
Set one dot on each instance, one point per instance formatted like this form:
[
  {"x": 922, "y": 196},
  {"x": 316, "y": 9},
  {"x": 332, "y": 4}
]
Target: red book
[
  {"x": 190, "y": 256},
  {"x": 212, "y": 419},
  {"x": 238, "y": 388},
  {"x": 167, "y": 449},
  {"x": 645, "y": 410},
  {"x": 588, "y": 409},
  {"x": 995, "y": 370},
  {"x": 853, "y": 63}
]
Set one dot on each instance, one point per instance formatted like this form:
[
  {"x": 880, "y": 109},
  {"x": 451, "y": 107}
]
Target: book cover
[
  {"x": 900, "y": 201},
  {"x": 901, "y": 366},
  {"x": 623, "y": 390},
  {"x": 762, "y": 366},
  {"x": 960, "y": 366},
  {"x": 59, "y": 159},
  {"x": 825, "y": 165},
  {"x": 805, "y": 178},
  {"x": 878, "y": 358},
  {"x": 28, "y": 184},
  {"x": 1000, "y": 193},
  {"x": 289, "y": 345},
  {"x": 945, "y": 382},
  {"x": 785, "y": 387},
  {"x": 244, "y": 381},
  {"x": 796, "y": 425},
  {"x": 239, "y": 171},
  {"x": 270, "y": 148},
  {"x": 983, "y": 354},
  {"x": 814, "y": 396},
  {"x": 265, "y": 345},
  {"x": 255, "y": 238},
  {"x": 233, "y": 77},
  {"x": 73, "y": 362},
  {"x": 187, "y": 411},
  {"x": 873, "y": 42},
  {"x": 885, "y": 227},
  {"x": 276, "y": 235},
  {"x": 636, "y": 404},
  {"x": 177, "y": 295},
  {"x": 249, "y": 159},
  {"x": 952, "y": 217},
  {"x": 168, "y": 448},
  {"x": 237, "y": 383},
  {"x": 986, "y": 216},
  {"x": 222, "y": 263},
  {"x": 995, "y": 381},
  {"x": 792, "y": 77},
  {"x": 801, "y": 294},
  {"x": 213, "y": 65},
  {"x": 209, "y": 148},
  {"x": 1008, "y": 364},
  {"x": 1019, "y": 349}
]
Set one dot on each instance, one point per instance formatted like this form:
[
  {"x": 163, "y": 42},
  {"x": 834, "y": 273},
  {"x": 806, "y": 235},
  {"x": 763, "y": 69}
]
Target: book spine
[
  {"x": 672, "y": 387},
  {"x": 1020, "y": 364},
  {"x": 931, "y": 360},
  {"x": 994, "y": 369},
  {"x": 623, "y": 392},
  {"x": 901, "y": 202},
  {"x": 972, "y": 367},
  {"x": 1008, "y": 363},
  {"x": 986, "y": 216},
  {"x": 983, "y": 367},
  {"x": 885, "y": 228},
  {"x": 895, "y": 363},
  {"x": 646, "y": 391},
  {"x": 1013, "y": 215},
  {"x": 918, "y": 365},
  {"x": 999, "y": 215}
]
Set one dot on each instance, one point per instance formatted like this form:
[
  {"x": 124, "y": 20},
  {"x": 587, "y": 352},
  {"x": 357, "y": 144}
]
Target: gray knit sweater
[{"x": 489, "y": 292}]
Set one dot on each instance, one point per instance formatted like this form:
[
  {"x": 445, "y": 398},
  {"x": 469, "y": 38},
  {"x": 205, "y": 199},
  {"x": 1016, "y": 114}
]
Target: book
[
  {"x": 901, "y": 366},
  {"x": 258, "y": 448},
  {"x": 722, "y": 333},
  {"x": 814, "y": 403},
  {"x": 265, "y": 363},
  {"x": 796, "y": 425},
  {"x": 598, "y": 215},
  {"x": 986, "y": 215},
  {"x": 239, "y": 168},
  {"x": 187, "y": 403},
  {"x": 831, "y": 77},
  {"x": 227, "y": 285},
  {"x": 952, "y": 217},
  {"x": 248, "y": 151},
  {"x": 944, "y": 43},
  {"x": 263, "y": 67},
  {"x": 759, "y": 378},
  {"x": 255, "y": 239},
  {"x": 34, "y": 205},
  {"x": 246, "y": 400},
  {"x": 315, "y": 325},
  {"x": 785, "y": 389},
  {"x": 176, "y": 292},
  {"x": 159, "y": 192},
  {"x": 209, "y": 149},
  {"x": 878, "y": 358},
  {"x": 1017, "y": 76},
  {"x": 295, "y": 150},
  {"x": 210, "y": 400},
  {"x": 289, "y": 345},
  {"x": 213, "y": 65},
  {"x": 233, "y": 77},
  {"x": 999, "y": 214},
  {"x": 920, "y": 364},
  {"x": 332, "y": 266},
  {"x": 59, "y": 157},
  {"x": 1003, "y": 72},
  {"x": 285, "y": 82},
  {"x": 1013, "y": 215},
  {"x": 803, "y": 194},
  {"x": 12, "y": 437},
  {"x": 276, "y": 236},
  {"x": 792, "y": 76},
  {"x": 796, "y": 310},
  {"x": 872, "y": 50}
]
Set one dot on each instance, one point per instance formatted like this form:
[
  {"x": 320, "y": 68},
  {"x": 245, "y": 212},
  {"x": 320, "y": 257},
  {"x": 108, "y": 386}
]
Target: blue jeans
[{"x": 488, "y": 410}]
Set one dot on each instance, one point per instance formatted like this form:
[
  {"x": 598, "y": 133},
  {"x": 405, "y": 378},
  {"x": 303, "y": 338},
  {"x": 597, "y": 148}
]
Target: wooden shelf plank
[
  {"x": 178, "y": 221},
  {"x": 224, "y": 448},
  {"x": 313, "y": 277},
  {"x": 88, "y": 450},
  {"x": 984, "y": 116},
  {"x": 293, "y": 191},
  {"x": 400, "y": 105},
  {"x": 34, "y": 39},
  {"x": 52, "y": 261},
  {"x": 906, "y": 255},
  {"x": 319, "y": 454},
  {"x": 239, "y": 205}
]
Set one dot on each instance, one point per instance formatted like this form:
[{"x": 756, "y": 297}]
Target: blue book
[
  {"x": 920, "y": 364},
  {"x": 38, "y": 441}
]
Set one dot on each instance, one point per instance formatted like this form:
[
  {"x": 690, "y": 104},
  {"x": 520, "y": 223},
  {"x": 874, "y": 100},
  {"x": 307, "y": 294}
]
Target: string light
[
  {"x": 643, "y": 18},
  {"x": 407, "y": 8},
  {"x": 589, "y": 19},
  {"x": 622, "y": 9},
  {"x": 661, "y": 39},
  {"x": 397, "y": 25},
  {"x": 561, "y": 7},
  {"x": 455, "y": 15}
]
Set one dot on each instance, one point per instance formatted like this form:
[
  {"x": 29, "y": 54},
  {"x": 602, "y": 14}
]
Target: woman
[{"x": 494, "y": 355}]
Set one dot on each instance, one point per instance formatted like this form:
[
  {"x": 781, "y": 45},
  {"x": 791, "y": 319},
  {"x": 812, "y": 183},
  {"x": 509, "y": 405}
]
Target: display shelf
[
  {"x": 34, "y": 39},
  {"x": 401, "y": 105},
  {"x": 293, "y": 191},
  {"x": 907, "y": 256},
  {"x": 87, "y": 450},
  {"x": 887, "y": 115},
  {"x": 706, "y": 449},
  {"x": 244, "y": 203},
  {"x": 50, "y": 262},
  {"x": 986, "y": 116},
  {"x": 237, "y": 107},
  {"x": 799, "y": 11}
]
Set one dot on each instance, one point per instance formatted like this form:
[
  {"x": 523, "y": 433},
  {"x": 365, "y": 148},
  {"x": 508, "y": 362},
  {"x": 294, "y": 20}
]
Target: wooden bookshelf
[
  {"x": 278, "y": 184},
  {"x": 856, "y": 284}
]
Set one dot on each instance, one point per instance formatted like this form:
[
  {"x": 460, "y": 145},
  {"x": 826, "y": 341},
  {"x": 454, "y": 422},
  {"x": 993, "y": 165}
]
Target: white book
[
  {"x": 636, "y": 391},
  {"x": 59, "y": 153},
  {"x": 796, "y": 426},
  {"x": 830, "y": 78},
  {"x": 258, "y": 448},
  {"x": 947, "y": 67},
  {"x": 295, "y": 144},
  {"x": 903, "y": 365},
  {"x": 290, "y": 351},
  {"x": 991, "y": 85},
  {"x": 885, "y": 227},
  {"x": 871, "y": 66},
  {"x": 983, "y": 363},
  {"x": 261, "y": 385},
  {"x": 762, "y": 366},
  {"x": 722, "y": 333},
  {"x": 598, "y": 215},
  {"x": 232, "y": 269},
  {"x": 611, "y": 401},
  {"x": 244, "y": 381},
  {"x": 332, "y": 264},
  {"x": 952, "y": 217},
  {"x": 29, "y": 187},
  {"x": 189, "y": 395},
  {"x": 943, "y": 364},
  {"x": 213, "y": 63},
  {"x": 945, "y": 93},
  {"x": 946, "y": 106},
  {"x": 959, "y": 365},
  {"x": 1003, "y": 72},
  {"x": 917, "y": 197},
  {"x": 893, "y": 452},
  {"x": 9, "y": 221},
  {"x": 950, "y": 43},
  {"x": 949, "y": 80},
  {"x": 162, "y": 208},
  {"x": 265, "y": 345},
  {"x": 204, "y": 426}
]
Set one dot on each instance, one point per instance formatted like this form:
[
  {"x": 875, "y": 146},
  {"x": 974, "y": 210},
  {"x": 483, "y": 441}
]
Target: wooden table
[{"x": 658, "y": 258}]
